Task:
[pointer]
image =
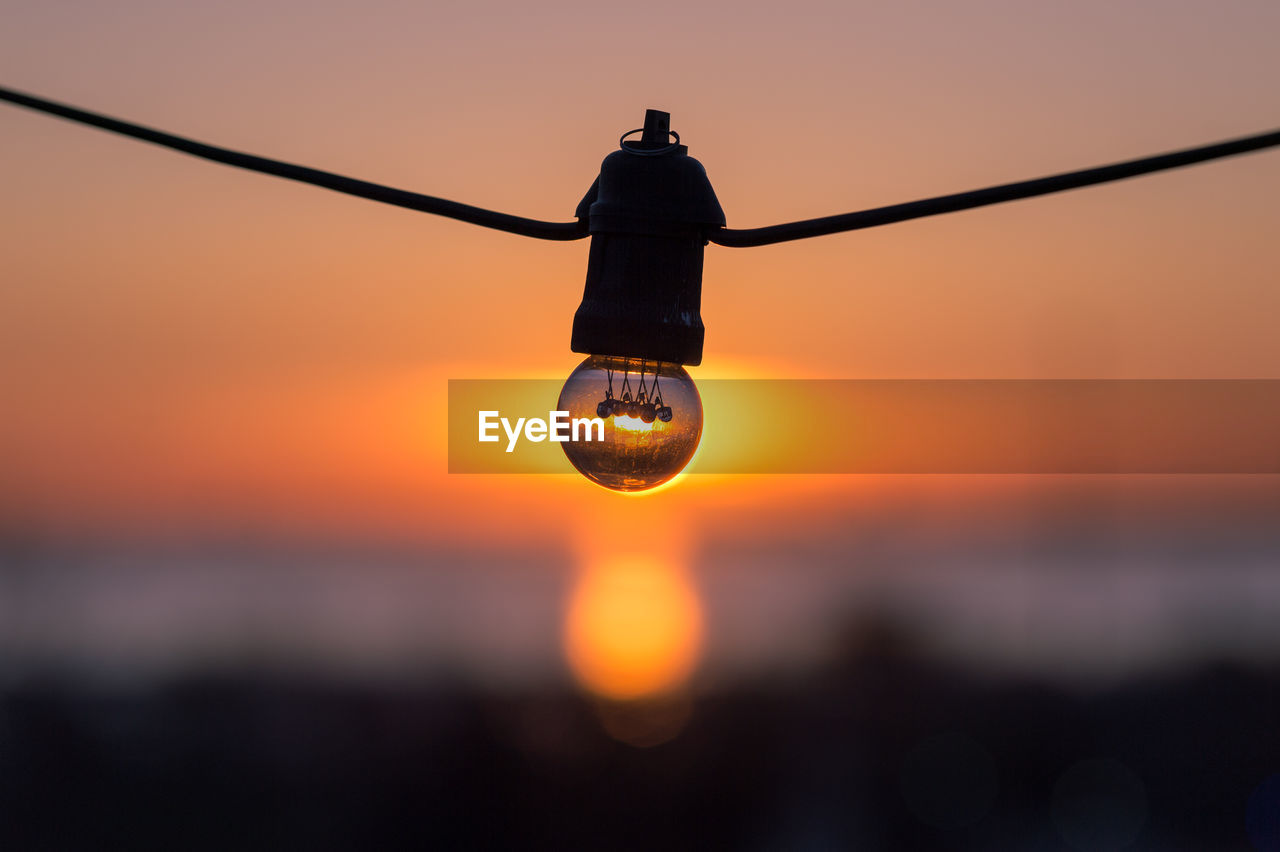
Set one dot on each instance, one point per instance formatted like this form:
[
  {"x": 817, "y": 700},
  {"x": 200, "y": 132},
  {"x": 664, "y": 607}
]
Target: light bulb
[{"x": 652, "y": 420}]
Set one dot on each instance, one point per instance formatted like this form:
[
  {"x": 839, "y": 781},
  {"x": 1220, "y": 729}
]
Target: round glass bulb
[{"x": 652, "y": 420}]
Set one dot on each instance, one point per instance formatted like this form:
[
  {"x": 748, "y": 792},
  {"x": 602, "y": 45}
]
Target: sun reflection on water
[{"x": 633, "y": 628}]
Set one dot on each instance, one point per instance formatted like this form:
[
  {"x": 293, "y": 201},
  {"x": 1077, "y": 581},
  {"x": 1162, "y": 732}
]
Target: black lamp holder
[{"x": 648, "y": 213}]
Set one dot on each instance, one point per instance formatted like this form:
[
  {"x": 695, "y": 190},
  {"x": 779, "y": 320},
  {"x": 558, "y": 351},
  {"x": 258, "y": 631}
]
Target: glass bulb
[{"x": 652, "y": 420}]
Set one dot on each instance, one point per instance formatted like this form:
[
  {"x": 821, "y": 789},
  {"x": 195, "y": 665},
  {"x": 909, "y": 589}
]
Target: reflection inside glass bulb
[
  {"x": 631, "y": 424},
  {"x": 652, "y": 415}
]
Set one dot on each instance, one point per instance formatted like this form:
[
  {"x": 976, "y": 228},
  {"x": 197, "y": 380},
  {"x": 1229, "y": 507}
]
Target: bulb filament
[{"x": 646, "y": 405}]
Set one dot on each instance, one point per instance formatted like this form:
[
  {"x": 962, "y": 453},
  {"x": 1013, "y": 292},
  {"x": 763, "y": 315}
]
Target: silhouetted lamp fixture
[
  {"x": 640, "y": 319},
  {"x": 649, "y": 214}
]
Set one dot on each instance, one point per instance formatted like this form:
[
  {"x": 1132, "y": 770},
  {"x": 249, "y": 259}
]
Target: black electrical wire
[
  {"x": 328, "y": 180},
  {"x": 721, "y": 236},
  {"x": 991, "y": 195}
]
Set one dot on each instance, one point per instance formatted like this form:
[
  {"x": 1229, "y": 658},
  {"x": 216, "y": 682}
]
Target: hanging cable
[
  {"x": 741, "y": 238},
  {"x": 721, "y": 236},
  {"x": 328, "y": 180}
]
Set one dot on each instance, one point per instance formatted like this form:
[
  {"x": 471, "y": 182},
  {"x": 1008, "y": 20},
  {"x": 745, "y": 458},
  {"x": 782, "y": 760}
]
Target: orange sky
[
  {"x": 167, "y": 324},
  {"x": 187, "y": 347}
]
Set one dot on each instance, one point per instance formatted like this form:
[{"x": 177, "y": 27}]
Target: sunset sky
[{"x": 191, "y": 353}]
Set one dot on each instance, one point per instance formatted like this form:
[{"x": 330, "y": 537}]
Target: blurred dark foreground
[{"x": 880, "y": 750}]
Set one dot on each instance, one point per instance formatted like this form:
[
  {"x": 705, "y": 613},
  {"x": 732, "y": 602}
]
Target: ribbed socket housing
[{"x": 648, "y": 211}]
